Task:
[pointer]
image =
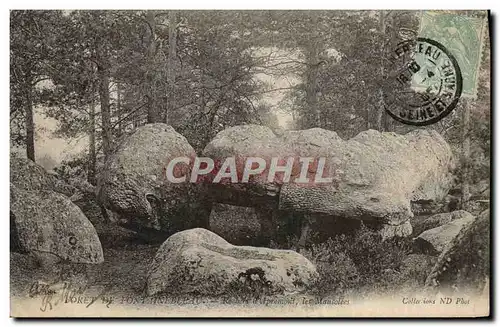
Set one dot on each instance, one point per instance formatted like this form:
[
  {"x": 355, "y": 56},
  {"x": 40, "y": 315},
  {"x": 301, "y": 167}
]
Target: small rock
[
  {"x": 439, "y": 220},
  {"x": 434, "y": 241}
]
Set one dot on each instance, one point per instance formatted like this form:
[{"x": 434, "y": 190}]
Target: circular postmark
[{"x": 423, "y": 84}]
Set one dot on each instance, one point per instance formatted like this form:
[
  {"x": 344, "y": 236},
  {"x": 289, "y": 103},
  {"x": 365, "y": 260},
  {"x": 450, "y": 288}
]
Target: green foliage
[
  {"x": 362, "y": 263},
  {"x": 72, "y": 168},
  {"x": 372, "y": 255},
  {"x": 249, "y": 291},
  {"x": 216, "y": 88},
  {"x": 32, "y": 38},
  {"x": 337, "y": 272},
  {"x": 349, "y": 80}
]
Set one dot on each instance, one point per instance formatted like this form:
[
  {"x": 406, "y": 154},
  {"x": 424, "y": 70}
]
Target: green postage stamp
[{"x": 463, "y": 36}]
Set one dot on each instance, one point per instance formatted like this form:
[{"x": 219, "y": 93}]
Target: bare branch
[{"x": 273, "y": 90}]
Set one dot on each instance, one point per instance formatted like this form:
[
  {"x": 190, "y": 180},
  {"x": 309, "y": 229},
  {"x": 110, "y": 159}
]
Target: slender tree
[
  {"x": 172, "y": 54},
  {"x": 31, "y": 45},
  {"x": 92, "y": 169}
]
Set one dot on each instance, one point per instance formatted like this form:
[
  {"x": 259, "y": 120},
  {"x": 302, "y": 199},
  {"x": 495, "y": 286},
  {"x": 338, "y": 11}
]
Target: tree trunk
[
  {"x": 103, "y": 73},
  {"x": 465, "y": 155},
  {"x": 91, "y": 176},
  {"x": 388, "y": 121},
  {"x": 381, "y": 105},
  {"x": 119, "y": 108},
  {"x": 30, "y": 124},
  {"x": 153, "y": 116},
  {"x": 312, "y": 59},
  {"x": 135, "y": 123},
  {"x": 314, "y": 119},
  {"x": 367, "y": 115},
  {"x": 172, "y": 53}
]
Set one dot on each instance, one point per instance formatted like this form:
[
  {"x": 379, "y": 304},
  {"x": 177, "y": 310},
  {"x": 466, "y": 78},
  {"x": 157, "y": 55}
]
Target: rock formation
[
  {"x": 434, "y": 241},
  {"x": 374, "y": 176},
  {"x": 134, "y": 184},
  {"x": 440, "y": 219},
  {"x": 202, "y": 262},
  {"x": 53, "y": 228},
  {"x": 464, "y": 265}
]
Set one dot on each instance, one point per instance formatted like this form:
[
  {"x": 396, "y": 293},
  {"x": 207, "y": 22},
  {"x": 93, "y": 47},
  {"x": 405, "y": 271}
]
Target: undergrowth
[{"x": 359, "y": 264}]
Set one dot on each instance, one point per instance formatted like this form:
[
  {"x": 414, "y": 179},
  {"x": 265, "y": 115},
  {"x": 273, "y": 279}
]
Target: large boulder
[
  {"x": 202, "y": 262},
  {"x": 134, "y": 184},
  {"x": 243, "y": 142},
  {"x": 27, "y": 175},
  {"x": 439, "y": 220},
  {"x": 435, "y": 240},
  {"x": 464, "y": 265},
  {"x": 375, "y": 176},
  {"x": 52, "y": 228}
]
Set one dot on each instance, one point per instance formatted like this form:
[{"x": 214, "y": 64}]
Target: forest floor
[{"x": 366, "y": 268}]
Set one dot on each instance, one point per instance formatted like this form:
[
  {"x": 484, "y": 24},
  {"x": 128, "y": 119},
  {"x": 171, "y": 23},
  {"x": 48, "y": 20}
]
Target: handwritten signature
[{"x": 66, "y": 292}]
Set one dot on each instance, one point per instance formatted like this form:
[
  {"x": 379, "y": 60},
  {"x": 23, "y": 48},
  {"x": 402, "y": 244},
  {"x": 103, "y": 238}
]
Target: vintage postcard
[{"x": 180, "y": 163}]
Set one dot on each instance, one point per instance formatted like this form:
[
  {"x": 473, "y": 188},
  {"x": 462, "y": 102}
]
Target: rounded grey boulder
[
  {"x": 439, "y": 220},
  {"x": 374, "y": 176},
  {"x": 51, "y": 227},
  {"x": 134, "y": 183},
  {"x": 435, "y": 240},
  {"x": 27, "y": 175},
  {"x": 200, "y": 261}
]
